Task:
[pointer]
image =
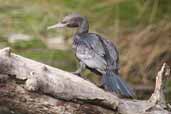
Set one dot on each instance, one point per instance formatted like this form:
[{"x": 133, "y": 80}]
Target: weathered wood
[
  {"x": 18, "y": 99},
  {"x": 34, "y": 87},
  {"x": 158, "y": 96}
]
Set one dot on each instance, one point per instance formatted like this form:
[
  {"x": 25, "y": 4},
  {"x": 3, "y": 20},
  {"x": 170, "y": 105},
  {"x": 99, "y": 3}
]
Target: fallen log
[{"x": 32, "y": 87}]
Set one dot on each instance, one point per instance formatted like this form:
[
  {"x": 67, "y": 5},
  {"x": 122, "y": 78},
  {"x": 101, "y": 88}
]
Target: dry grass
[{"x": 143, "y": 52}]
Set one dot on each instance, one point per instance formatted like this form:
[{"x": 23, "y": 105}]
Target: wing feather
[{"x": 91, "y": 51}]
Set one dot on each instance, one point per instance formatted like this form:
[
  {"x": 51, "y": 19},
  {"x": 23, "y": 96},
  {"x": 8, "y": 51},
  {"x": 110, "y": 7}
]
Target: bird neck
[{"x": 83, "y": 26}]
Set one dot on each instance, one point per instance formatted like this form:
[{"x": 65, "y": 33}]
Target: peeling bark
[{"x": 32, "y": 87}]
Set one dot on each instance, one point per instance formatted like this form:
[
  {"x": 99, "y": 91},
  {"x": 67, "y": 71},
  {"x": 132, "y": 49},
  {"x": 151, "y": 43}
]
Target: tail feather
[{"x": 112, "y": 82}]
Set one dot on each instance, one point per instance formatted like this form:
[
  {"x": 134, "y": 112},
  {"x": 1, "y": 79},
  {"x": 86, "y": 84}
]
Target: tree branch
[{"x": 33, "y": 87}]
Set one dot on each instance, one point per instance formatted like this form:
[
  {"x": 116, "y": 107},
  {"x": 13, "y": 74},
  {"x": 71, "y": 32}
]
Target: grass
[
  {"x": 22, "y": 45},
  {"x": 34, "y": 16},
  {"x": 52, "y": 57}
]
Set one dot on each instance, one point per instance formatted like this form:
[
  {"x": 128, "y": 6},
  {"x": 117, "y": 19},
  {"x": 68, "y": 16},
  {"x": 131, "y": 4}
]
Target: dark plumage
[{"x": 97, "y": 54}]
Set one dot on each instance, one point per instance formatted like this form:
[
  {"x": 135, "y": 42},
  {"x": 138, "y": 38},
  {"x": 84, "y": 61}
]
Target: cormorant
[{"x": 96, "y": 53}]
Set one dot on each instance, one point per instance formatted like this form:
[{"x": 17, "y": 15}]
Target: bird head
[{"x": 71, "y": 21}]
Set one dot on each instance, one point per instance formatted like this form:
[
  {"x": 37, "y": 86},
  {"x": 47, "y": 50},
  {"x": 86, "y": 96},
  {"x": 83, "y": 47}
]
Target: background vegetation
[{"x": 141, "y": 29}]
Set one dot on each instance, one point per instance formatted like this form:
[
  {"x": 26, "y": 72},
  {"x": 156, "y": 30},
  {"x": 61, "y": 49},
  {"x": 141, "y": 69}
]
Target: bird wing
[
  {"x": 92, "y": 50},
  {"x": 104, "y": 48},
  {"x": 94, "y": 43},
  {"x": 91, "y": 58},
  {"x": 113, "y": 53}
]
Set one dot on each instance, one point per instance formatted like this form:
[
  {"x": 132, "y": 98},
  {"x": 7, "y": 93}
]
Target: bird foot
[
  {"x": 75, "y": 73},
  {"x": 101, "y": 86}
]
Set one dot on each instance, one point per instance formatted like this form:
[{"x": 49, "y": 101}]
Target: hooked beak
[{"x": 58, "y": 25}]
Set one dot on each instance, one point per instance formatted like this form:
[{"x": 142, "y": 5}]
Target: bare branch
[
  {"x": 158, "y": 97},
  {"x": 34, "y": 87}
]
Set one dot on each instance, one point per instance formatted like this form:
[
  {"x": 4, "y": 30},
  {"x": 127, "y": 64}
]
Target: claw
[{"x": 75, "y": 73}]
